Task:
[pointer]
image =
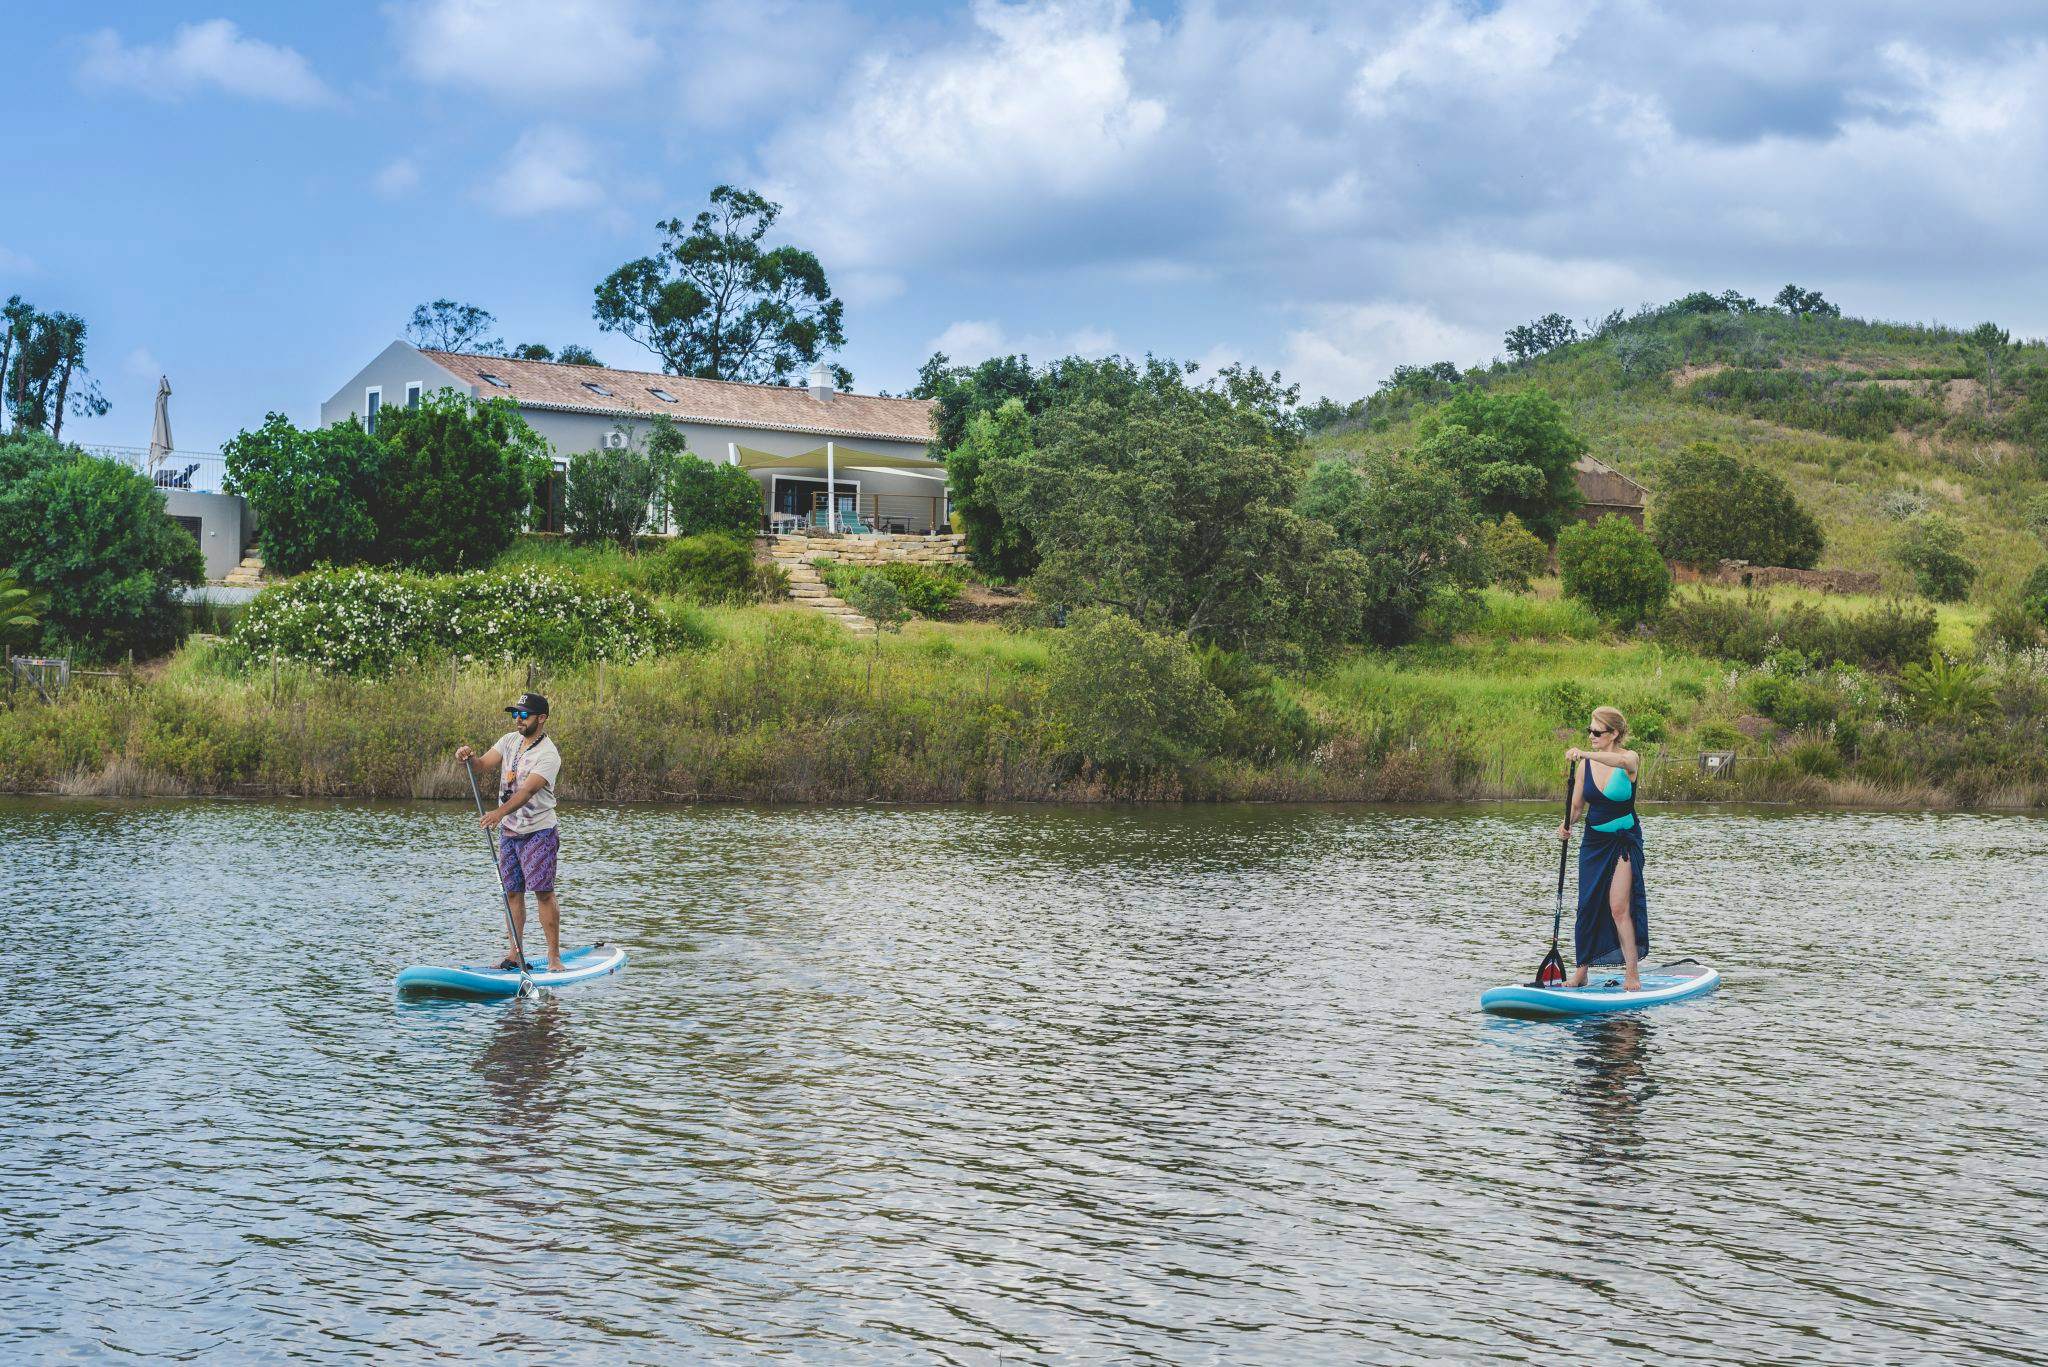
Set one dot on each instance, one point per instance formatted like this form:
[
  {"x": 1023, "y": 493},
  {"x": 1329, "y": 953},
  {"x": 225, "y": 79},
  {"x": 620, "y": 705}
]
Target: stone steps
[
  {"x": 809, "y": 590},
  {"x": 247, "y": 575}
]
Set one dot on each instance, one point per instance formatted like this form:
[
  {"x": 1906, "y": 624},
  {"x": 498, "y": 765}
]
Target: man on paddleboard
[{"x": 525, "y": 815}]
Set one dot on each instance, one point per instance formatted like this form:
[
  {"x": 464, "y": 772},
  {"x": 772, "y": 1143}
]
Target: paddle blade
[{"x": 1551, "y": 971}]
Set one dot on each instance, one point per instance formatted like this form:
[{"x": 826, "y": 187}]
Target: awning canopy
[{"x": 844, "y": 457}]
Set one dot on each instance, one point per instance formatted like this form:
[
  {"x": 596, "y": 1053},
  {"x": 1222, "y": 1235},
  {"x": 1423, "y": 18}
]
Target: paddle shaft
[
  {"x": 1564, "y": 847},
  {"x": 505, "y": 893}
]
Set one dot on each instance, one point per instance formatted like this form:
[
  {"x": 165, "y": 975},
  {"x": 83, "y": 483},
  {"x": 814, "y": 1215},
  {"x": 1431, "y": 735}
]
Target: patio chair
[
  {"x": 166, "y": 480},
  {"x": 850, "y": 521}
]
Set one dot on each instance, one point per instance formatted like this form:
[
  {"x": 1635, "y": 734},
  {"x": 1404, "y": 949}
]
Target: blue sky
[{"x": 251, "y": 198}]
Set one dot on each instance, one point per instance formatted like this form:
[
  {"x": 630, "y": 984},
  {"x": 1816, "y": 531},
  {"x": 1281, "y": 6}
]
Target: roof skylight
[
  {"x": 489, "y": 378},
  {"x": 661, "y": 394},
  {"x": 596, "y": 388}
]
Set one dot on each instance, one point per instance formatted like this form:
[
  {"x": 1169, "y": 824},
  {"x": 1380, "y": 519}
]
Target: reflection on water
[
  {"x": 1614, "y": 1088},
  {"x": 1135, "y": 1086}
]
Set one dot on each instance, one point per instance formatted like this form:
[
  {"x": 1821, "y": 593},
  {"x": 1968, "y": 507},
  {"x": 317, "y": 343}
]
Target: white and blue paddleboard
[
  {"x": 483, "y": 982},
  {"x": 1602, "y": 993}
]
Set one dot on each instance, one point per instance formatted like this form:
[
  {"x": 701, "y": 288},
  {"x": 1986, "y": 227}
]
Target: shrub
[
  {"x": 611, "y": 496},
  {"x": 1712, "y": 506},
  {"x": 711, "y": 567},
  {"x": 1614, "y": 569},
  {"x": 925, "y": 591},
  {"x": 358, "y": 621},
  {"x": 875, "y": 596},
  {"x": 1411, "y": 537},
  {"x": 1514, "y": 554},
  {"x": 310, "y": 491},
  {"x": 2034, "y": 593},
  {"x": 1130, "y": 701},
  {"x": 1567, "y": 701},
  {"x": 703, "y": 497},
  {"x": 1750, "y": 629},
  {"x": 1932, "y": 550},
  {"x": 91, "y": 536},
  {"x": 2012, "y": 624},
  {"x": 21, "y": 610},
  {"x": 1263, "y": 724},
  {"x": 456, "y": 480},
  {"x": 1941, "y": 691}
]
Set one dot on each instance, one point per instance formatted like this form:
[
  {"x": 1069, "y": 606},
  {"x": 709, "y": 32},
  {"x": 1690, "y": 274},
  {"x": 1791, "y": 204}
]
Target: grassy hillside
[{"x": 1871, "y": 422}]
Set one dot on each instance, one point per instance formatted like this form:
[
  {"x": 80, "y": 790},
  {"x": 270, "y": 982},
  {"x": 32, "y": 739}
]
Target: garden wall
[{"x": 948, "y": 549}]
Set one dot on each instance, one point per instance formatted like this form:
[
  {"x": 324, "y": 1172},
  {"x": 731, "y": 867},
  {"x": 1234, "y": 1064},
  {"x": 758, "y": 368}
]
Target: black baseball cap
[{"x": 530, "y": 702}]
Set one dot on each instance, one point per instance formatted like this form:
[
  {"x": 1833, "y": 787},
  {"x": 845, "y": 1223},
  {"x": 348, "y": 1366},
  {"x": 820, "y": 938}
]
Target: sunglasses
[
  {"x": 519, "y": 715},
  {"x": 1591, "y": 730}
]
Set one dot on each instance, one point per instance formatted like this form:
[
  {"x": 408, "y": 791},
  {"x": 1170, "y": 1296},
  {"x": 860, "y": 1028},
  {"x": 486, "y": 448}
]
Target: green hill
[{"x": 1873, "y": 423}]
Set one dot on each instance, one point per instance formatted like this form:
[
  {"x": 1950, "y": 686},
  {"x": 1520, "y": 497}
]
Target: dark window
[
  {"x": 597, "y": 389},
  {"x": 372, "y": 401},
  {"x": 412, "y": 395},
  {"x": 190, "y": 524},
  {"x": 489, "y": 378},
  {"x": 663, "y": 395}
]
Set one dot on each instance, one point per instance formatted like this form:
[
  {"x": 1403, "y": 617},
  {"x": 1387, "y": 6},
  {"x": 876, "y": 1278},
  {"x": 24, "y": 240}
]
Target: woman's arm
[{"x": 1577, "y": 807}]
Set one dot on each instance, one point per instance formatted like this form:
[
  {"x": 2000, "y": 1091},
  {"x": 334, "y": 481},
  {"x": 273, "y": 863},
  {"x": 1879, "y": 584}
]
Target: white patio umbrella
[{"x": 160, "y": 433}]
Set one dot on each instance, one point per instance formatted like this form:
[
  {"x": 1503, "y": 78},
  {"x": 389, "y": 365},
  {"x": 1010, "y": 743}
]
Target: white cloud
[
  {"x": 1347, "y": 349},
  {"x": 1031, "y": 116},
  {"x": 398, "y": 178},
  {"x": 973, "y": 340},
  {"x": 745, "y": 58},
  {"x": 1449, "y": 47},
  {"x": 213, "y": 53},
  {"x": 527, "y": 50},
  {"x": 548, "y": 171}
]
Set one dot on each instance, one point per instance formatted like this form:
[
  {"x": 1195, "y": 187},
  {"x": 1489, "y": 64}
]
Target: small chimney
[{"x": 821, "y": 383}]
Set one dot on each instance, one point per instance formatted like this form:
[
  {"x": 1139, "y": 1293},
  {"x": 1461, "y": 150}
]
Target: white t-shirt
[{"x": 537, "y": 813}]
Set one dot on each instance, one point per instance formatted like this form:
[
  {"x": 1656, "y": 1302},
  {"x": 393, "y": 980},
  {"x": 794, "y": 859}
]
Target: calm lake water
[{"x": 968, "y": 1086}]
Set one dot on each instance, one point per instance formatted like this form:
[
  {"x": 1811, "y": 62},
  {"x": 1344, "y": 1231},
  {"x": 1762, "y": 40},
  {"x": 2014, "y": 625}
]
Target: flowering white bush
[{"x": 364, "y": 621}]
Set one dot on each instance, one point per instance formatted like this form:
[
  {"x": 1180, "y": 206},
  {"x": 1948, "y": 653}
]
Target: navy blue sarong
[{"x": 1595, "y": 939}]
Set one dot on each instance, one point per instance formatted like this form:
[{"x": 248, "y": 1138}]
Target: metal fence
[{"x": 201, "y": 472}]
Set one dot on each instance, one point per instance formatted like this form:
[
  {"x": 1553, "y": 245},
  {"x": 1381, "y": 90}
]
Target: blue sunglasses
[{"x": 520, "y": 714}]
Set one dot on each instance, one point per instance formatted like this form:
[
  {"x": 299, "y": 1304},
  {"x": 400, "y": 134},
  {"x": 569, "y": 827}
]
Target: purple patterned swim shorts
[{"x": 527, "y": 862}]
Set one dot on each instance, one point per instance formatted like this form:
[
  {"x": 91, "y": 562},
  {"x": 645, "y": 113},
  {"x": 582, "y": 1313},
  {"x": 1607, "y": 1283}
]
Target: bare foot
[
  {"x": 556, "y": 966},
  {"x": 1578, "y": 979},
  {"x": 1631, "y": 983}
]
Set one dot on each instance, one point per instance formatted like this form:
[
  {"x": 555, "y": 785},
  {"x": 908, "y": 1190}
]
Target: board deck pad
[
  {"x": 486, "y": 981},
  {"x": 1602, "y": 993}
]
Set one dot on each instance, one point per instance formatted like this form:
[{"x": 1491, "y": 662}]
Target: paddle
[
  {"x": 1551, "y": 970},
  {"x": 527, "y": 988}
]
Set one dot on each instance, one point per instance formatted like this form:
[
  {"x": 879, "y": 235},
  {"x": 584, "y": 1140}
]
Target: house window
[
  {"x": 412, "y": 395},
  {"x": 489, "y": 378},
  {"x": 373, "y": 399},
  {"x": 597, "y": 389},
  {"x": 663, "y": 395}
]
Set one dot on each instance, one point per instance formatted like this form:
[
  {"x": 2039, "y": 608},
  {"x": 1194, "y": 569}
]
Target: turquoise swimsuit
[{"x": 1610, "y": 806}]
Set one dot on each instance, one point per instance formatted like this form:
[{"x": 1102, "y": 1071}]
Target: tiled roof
[{"x": 550, "y": 384}]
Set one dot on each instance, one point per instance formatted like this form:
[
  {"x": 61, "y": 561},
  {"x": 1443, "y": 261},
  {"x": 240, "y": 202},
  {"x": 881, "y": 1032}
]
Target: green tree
[
  {"x": 311, "y": 491},
  {"x": 1932, "y": 549},
  {"x": 1527, "y": 341},
  {"x": 1801, "y": 303},
  {"x": 1411, "y": 529},
  {"x": 1990, "y": 346},
  {"x": 613, "y": 495},
  {"x": 533, "y": 351},
  {"x": 712, "y": 567},
  {"x": 1614, "y": 569},
  {"x": 701, "y": 496},
  {"x": 91, "y": 534},
  {"x": 1941, "y": 691},
  {"x": 445, "y": 325},
  {"x": 994, "y": 441},
  {"x": 42, "y": 369},
  {"x": 716, "y": 304},
  {"x": 1130, "y": 701},
  {"x": 1714, "y": 506},
  {"x": 1174, "y": 504},
  {"x": 455, "y": 481},
  {"x": 1514, "y": 554},
  {"x": 576, "y": 355},
  {"x": 568, "y": 355},
  {"x": 1512, "y": 453}
]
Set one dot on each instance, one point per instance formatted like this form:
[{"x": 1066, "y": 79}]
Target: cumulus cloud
[
  {"x": 740, "y": 59},
  {"x": 549, "y": 170},
  {"x": 397, "y": 178},
  {"x": 1030, "y": 116},
  {"x": 527, "y": 50},
  {"x": 1406, "y": 180},
  {"x": 211, "y": 54}
]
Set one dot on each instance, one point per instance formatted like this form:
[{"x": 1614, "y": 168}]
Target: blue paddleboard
[
  {"x": 1602, "y": 993},
  {"x": 481, "y": 981}
]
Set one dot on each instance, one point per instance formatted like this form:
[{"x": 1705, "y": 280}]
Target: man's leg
[
  {"x": 515, "y": 905},
  {"x": 551, "y": 924}
]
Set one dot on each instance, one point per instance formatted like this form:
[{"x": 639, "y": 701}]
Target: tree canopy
[
  {"x": 42, "y": 369},
  {"x": 1512, "y": 453},
  {"x": 1714, "y": 506},
  {"x": 445, "y": 325},
  {"x": 714, "y": 303}
]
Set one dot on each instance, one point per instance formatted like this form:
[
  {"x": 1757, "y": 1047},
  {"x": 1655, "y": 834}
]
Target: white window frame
[
  {"x": 375, "y": 391},
  {"x": 415, "y": 391}
]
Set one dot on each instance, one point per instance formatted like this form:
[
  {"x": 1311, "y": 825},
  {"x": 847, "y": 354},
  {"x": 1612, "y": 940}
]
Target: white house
[{"x": 872, "y": 453}]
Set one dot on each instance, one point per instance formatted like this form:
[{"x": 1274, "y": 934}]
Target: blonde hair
[{"x": 1611, "y": 718}]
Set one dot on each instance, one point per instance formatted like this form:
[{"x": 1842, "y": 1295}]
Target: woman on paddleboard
[{"x": 1613, "y": 924}]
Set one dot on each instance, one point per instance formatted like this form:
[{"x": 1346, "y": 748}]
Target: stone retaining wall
[
  {"x": 1743, "y": 575},
  {"x": 946, "y": 549}
]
